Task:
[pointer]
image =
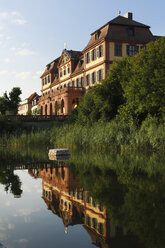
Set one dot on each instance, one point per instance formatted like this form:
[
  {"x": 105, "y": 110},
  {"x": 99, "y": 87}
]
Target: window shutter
[
  {"x": 98, "y": 76},
  {"x": 89, "y": 58},
  {"x": 86, "y": 80},
  {"x": 97, "y": 52},
  {"x": 101, "y": 50},
  {"x": 127, "y": 49},
  {"x": 86, "y": 58},
  {"x": 137, "y": 49},
  {"x": 89, "y": 78},
  {"x": 101, "y": 74},
  {"x": 92, "y": 55},
  {"x": 94, "y": 77},
  {"x": 82, "y": 82},
  {"x": 95, "y": 55}
]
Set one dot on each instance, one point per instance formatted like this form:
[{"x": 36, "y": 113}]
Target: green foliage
[
  {"x": 10, "y": 102},
  {"x": 101, "y": 102},
  {"x": 57, "y": 106},
  {"x": 144, "y": 91},
  {"x": 3, "y": 105}
]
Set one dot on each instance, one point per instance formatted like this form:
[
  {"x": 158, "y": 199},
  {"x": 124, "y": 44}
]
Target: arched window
[
  {"x": 41, "y": 110},
  {"x": 56, "y": 106},
  {"x": 46, "y": 109},
  {"x": 62, "y": 106},
  {"x": 51, "y": 110}
]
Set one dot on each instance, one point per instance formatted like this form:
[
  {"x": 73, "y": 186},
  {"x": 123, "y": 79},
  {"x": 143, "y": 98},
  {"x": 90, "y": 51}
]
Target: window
[
  {"x": 131, "y": 31},
  {"x": 143, "y": 47},
  {"x": 77, "y": 82},
  {"x": 93, "y": 77},
  {"x": 118, "y": 49},
  {"x": 100, "y": 51},
  {"x": 97, "y": 35},
  {"x": 64, "y": 72},
  {"x": 60, "y": 73},
  {"x": 93, "y": 54},
  {"x": 100, "y": 75},
  {"x": 132, "y": 50},
  {"x": 48, "y": 79},
  {"x": 73, "y": 83},
  {"x": 68, "y": 69},
  {"x": 82, "y": 81},
  {"x": 42, "y": 82},
  {"x": 69, "y": 84},
  {"x": 64, "y": 85},
  {"x": 87, "y": 58},
  {"x": 88, "y": 80}
]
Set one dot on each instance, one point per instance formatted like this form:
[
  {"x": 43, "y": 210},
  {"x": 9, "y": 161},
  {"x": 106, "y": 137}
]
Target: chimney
[{"x": 129, "y": 15}]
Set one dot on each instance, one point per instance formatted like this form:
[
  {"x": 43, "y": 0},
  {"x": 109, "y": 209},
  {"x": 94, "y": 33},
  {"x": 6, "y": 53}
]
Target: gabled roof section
[
  {"x": 65, "y": 54},
  {"x": 31, "y": 97},
  {"x": 50, "y": 67},
  {"x": 102, "y": 33},
  {"x": 70, "y": 54}
]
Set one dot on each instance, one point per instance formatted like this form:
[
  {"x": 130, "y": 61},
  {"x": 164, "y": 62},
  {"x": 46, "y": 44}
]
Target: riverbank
[{"x": 99, "y": 136}]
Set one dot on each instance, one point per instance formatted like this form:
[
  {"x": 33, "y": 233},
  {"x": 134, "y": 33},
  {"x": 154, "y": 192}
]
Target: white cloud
[
  {"x": 3, "y": 72},
  {"x": 4, "y": 15},
  {"x": 23, "y": 75},
  {"x": 6, "y": 60},
  {"x": 19, "y": 21},
  {"x": 1, "y": 35},
  {"x": 13, "y": 48},
  {"x": 8, "y": 38},
  {"x": 24, "y": 52},
  {"x": 13, "y": 17},
  {"x": 26, "y": 212}
]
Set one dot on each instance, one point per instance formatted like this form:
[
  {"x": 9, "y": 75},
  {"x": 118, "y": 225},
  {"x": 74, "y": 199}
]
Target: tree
[
  {"x": 102, "y": 101},
  {"x": 144, "y": 91},
  {"x": 10, "y": 102},
  {"x": 3, "y": 105}
]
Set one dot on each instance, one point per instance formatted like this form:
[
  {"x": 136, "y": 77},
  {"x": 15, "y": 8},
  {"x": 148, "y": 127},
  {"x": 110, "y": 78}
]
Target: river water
[{"x": 90, "y": 200}]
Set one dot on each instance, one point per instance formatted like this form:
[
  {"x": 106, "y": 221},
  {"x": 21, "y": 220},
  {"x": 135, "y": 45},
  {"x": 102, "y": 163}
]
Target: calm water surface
[{"x": 91, "y": 200}]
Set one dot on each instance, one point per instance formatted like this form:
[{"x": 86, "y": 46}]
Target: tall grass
[
  {"x": 111, "y": 135},
  {"x": 40, "y": 138},
  {"x": 99, "y": 136}
]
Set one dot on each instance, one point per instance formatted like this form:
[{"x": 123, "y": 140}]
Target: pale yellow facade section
[
  {"x": 95, "y": 70},
  {"x": 46, "y": 86},
  {"x": 96, "y": 61},
  {"x": 76, "y": 77},
  {"x": 112, "y": 56},
  {"x": 62, "y": 68},
  {"x": 96, "y": 215}
]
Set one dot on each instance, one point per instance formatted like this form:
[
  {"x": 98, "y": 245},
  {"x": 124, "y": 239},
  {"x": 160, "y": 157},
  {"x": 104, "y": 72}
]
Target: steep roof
[
  {"x": 71, "y": 55},
  {"x": 50, "y": 67},
  {"x": 31, "y": 97},
  {"x": 108, "y": 31}
]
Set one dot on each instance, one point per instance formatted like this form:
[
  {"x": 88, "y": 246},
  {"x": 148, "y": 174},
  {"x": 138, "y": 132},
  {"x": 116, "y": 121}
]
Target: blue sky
[{"x": 33, "y": 33}]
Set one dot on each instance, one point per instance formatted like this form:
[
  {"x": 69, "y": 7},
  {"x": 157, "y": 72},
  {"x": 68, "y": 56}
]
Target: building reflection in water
[{"x": 64, "y": 197}]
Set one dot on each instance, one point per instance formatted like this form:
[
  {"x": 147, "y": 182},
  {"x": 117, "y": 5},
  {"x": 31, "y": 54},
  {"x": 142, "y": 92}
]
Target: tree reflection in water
[
  {"x": 117, "y": 197},
  {"x": 10, "y": 181}
]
